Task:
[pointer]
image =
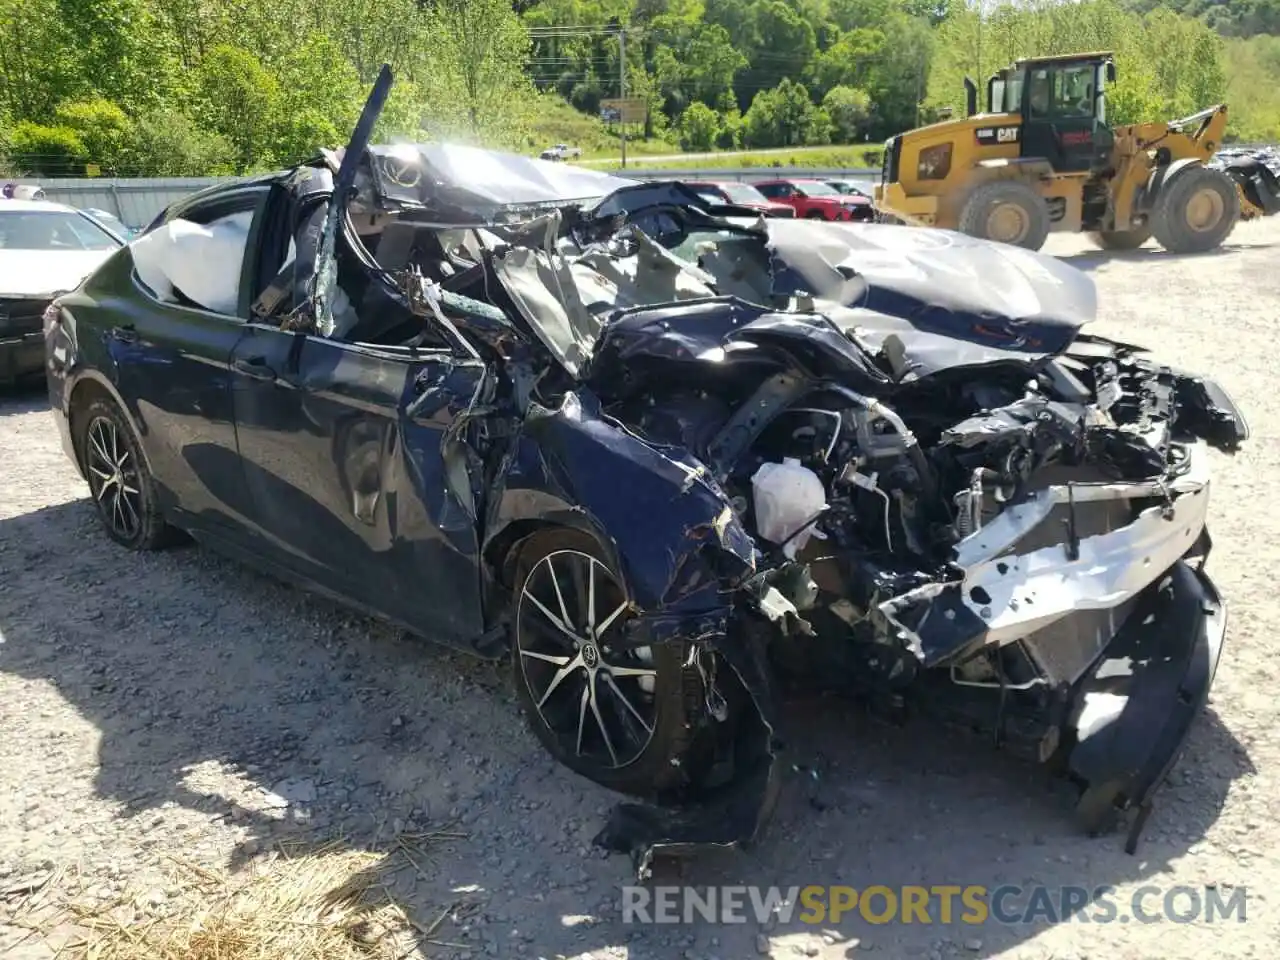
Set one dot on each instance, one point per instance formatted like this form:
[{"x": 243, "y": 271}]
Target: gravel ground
[{"x": 150, "y": 703}]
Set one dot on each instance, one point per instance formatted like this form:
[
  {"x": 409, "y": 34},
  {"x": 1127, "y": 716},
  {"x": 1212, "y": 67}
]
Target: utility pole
[
  {"x": 622, "y": 89},
  {"x": 982, "y": 9},
  {"x": 919, "y": 87}
]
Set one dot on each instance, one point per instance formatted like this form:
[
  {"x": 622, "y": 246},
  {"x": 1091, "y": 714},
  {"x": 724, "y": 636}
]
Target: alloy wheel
[
  {"x": 597, "y": 699},
  {"x": 113, "y": 478}
]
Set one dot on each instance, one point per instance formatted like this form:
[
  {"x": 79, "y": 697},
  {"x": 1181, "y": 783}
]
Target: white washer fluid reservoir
[{"x": 786, "y": 494}]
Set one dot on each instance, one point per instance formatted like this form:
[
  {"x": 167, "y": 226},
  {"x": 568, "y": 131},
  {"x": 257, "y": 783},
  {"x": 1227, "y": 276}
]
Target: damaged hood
[
  {"x": 924, "y": 300},
  {"x": 931, "y": 299}
]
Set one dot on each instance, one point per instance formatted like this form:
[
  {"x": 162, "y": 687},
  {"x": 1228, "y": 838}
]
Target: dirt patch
[{"x": 181, "y": 705}]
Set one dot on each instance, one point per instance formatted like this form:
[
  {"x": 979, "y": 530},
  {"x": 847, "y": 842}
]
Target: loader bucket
[{"x": 1259, "y": 187}]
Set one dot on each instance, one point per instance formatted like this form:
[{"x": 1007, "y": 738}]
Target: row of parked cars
[{"x": 808, "y": 197}]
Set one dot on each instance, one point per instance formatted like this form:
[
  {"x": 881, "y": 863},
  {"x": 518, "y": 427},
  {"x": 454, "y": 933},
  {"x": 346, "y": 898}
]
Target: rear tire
[
  {"x": 1009, "y": 212},
  {"x": 619, "y": 717},
  {"x": 1121, "y": 239},
  {"x": 1196, "y": 212},
  {"x": 815, "y": 215}
]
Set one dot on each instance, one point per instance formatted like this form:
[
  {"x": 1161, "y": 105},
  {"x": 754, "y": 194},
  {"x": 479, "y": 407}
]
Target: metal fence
[{"x": 137, "y": 201}]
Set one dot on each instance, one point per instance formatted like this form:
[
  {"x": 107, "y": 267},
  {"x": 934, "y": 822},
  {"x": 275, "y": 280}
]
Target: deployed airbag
[{"x": 201, "y": 261}]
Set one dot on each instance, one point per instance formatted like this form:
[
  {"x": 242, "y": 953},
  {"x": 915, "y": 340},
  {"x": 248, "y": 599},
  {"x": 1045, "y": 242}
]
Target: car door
[
  {"x": 172, "y": 367},
  {"x": 344, "y": 451},
  {"x": 786, "y": 193}
]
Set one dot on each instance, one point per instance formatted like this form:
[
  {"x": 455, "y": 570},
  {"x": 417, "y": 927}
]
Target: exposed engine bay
[{"x": 888, "y": 461}]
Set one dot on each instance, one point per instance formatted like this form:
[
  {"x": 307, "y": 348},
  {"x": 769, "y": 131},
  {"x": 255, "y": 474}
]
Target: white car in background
[
  {"x": 45, "y": 249},
  {"x": 561, "y": 151}
]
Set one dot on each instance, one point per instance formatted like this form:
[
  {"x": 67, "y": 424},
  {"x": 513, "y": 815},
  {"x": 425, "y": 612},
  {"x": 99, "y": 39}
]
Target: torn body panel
[
  {"x": 682, "y": 553},
  {"x": 349, "y": 447},
  {"x": 1009, "y": 595}
]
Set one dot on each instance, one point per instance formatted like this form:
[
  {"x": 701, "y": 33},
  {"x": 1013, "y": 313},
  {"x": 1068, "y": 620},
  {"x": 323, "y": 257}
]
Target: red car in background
[
  {"x": 738, "y": 194},
  {"x": 817, "y": 199}
]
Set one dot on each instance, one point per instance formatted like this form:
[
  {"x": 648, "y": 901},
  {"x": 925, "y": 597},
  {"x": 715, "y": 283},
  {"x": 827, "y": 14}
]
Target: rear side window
[{"x": 196, "y": 258}]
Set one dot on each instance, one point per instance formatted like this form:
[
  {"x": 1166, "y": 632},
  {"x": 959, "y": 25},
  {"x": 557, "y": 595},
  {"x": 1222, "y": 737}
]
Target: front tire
[
  {"x": 618, "y": 717},
  {"x": 123, "y": 490},
  {"x": 1196, "y": 212},
  {"x": 1007, "y": 211}
]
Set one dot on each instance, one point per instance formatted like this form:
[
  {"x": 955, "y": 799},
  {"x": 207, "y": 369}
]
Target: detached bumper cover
[
  {"x": 1004, "y": 596},
  {"x": 1135, "y": 709}
]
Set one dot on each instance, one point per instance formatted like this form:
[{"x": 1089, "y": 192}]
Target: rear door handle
[
  {"x": 255, "y": 367},
  {"x": 124, "y": 333}
]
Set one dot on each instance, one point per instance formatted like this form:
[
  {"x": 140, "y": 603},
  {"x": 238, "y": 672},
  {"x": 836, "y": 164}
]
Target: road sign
[{"x": 624, "y": 110}]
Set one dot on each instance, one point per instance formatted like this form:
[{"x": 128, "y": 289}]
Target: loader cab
[{"x": 1062, "y": 102}]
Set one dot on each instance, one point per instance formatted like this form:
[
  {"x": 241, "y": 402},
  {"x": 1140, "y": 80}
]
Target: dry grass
[{"x": 329, "y": 902}]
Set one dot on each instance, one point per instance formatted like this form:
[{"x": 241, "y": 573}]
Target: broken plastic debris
[{"x": 289, "y": 792}]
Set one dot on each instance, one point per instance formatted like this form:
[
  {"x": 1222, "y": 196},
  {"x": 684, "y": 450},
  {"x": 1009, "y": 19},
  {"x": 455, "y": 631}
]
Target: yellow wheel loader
[{"x": 1043, "y": 159}]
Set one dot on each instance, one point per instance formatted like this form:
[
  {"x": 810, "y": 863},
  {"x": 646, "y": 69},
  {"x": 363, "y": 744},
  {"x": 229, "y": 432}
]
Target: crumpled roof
[{"x": 494, "y": 179}]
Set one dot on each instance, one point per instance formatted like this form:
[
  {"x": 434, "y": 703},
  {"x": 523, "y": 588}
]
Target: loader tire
[
  {"x": 1007, "y": 212},
  {"x": 1196, "y": 212},
  {"x": 1121, "y": 239}
]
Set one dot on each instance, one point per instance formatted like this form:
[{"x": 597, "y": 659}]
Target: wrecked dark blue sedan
[{"x": 666, "y": 457}]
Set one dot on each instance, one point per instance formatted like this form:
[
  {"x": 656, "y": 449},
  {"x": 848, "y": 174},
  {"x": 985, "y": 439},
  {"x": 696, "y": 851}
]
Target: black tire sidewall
[
  {"x": 1168, "y": 221},
  {"x": 653, "y": 773},
  {"x": 976, "y": 209}
]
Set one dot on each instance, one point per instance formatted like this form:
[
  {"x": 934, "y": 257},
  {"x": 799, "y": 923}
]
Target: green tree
[
  {"x": 101, "y": 126},
  {"x": 776, "y": 39},
  {"x": 167, "y": 143},
  {"x": 899, "y": 80},
  {"x": 320, "y": 92},
  {"x": 38, "y": 66},
  {"x": 711, "y": 64},
  {"x": 237, "y": 98},
  {"x": 45, "y": 151},
  {"x": 849, "y": 110},
  {"x": 122, "y": 51},
  {"x": 699, "y": 127},
  {"x": 850, "y": 61},
  {"x": 478, "y": 57},
  {"x": 784, "y": 117}
]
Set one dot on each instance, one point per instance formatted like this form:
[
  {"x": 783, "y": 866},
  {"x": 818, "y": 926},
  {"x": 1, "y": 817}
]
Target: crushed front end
[{"x": 993, "y": 522}]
